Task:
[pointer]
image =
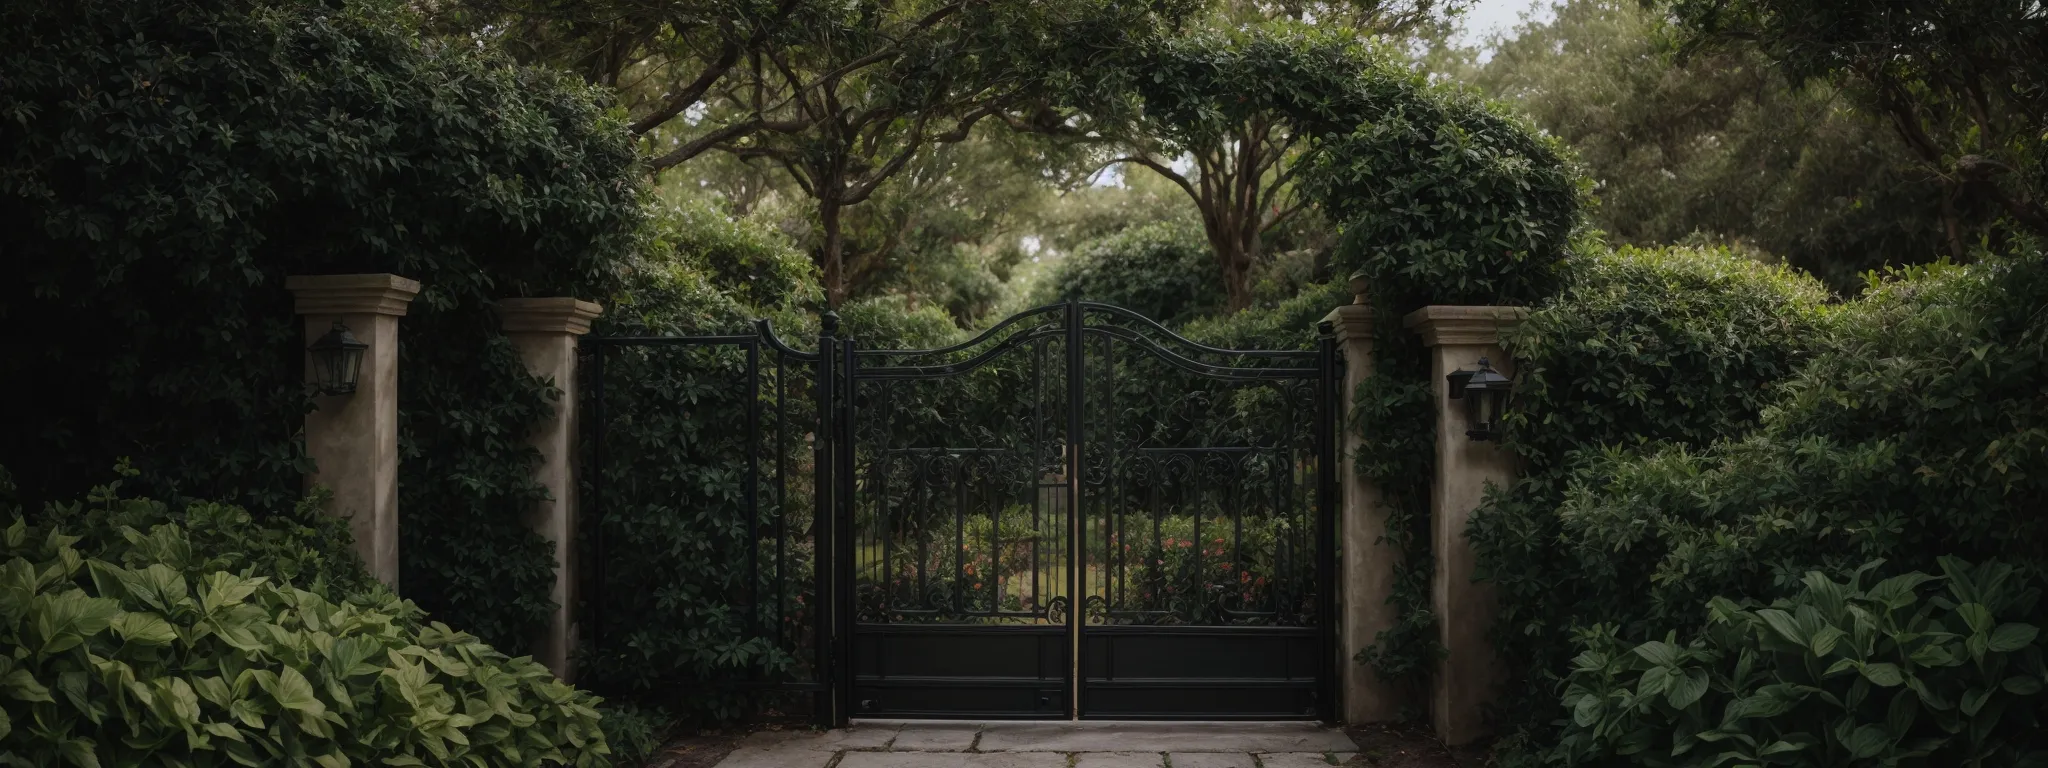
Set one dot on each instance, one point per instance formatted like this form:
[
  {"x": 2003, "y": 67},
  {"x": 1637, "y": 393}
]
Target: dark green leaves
[
  {"x": 1762, "y": 685},
  {"x": 196, "y": 666}
]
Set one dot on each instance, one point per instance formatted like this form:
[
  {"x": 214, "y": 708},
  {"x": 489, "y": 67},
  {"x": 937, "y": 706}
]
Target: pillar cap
[
  {"x": 555, "y": 314},
  {"x": 1446, "y": 325},
  {"x": 1353, "y": 321},
  {"x": 377, "y": 294}
]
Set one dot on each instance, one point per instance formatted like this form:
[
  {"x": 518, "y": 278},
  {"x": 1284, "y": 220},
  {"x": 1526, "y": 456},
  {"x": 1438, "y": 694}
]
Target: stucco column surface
[
  {"x": 545, "y": 330},
  {"x": 1467, "y": 678},
  {"x": 1367, "y": 566},
  {"x": 353, "y": 438}
]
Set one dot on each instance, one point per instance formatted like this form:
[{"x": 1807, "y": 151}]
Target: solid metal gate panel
[{"x": 1205, "y": 528}]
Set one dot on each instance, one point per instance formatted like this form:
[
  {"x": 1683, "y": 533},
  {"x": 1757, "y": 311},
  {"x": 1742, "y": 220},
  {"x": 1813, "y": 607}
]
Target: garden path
[{"x": 928, "y": 744}]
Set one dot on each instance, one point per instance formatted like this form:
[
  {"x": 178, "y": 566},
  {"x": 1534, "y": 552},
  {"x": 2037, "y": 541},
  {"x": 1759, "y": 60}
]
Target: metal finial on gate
[{"x": 828, "y": 323}]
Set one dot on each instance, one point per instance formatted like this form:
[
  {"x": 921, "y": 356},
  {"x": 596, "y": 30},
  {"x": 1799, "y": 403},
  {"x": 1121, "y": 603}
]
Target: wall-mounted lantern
[
  {"x": 337, "y": 361},
  {"x": 1485, "y": 393}
]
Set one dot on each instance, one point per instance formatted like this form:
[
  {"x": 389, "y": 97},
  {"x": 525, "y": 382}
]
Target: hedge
[{"x": 1910, "y": 429}]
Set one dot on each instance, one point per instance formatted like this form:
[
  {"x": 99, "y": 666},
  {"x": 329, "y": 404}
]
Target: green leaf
[
  {"x": 1976, "y": 616},
  {"x": 294, "y": 692},
  {"x": 1898, "y": 591},
  {"x": 1783, "y": 624},
  {"x": 1653, "y": 681},
  {"x": 1973, "y": 700},
  {"x": 80, "y": 753},
  {"x": 1899, "y": 716},
  {"x": 1658, "y": 653},
  {"x": 22, "y": 685},
  {"x": 2022, "y": 685},
  {"x": 2012, "y": 637},
  {"x": 222, "y": 590},
  {"x": 1883, "y": 674},
  {"x": 144, "y": 629},
  {"x": 1687, "y": 690},
  {"x": 1779, "y": 748},
  {"x": 159, "y": 586},
  {"x": 1824, "y": 640},
  {"x": 1867, "y": 740},
  {"x": 1587, "y": 711}
]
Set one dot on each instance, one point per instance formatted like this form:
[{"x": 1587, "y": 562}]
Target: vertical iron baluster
[
  {"x": 960, "y": 533},
  {"x": 1237, "y": 530},
  {"x": 826, "y": 654},
  {"x": 781, "y": 498},
  {"x": 992, "y": 498},
  {"x": 1076, "y": 583},
  {"x": 922, "y": 482},
  {"x": 844, "y": 420},
  {"x": 1036, "y": 465},
  {"x": 750, "y": 498}
]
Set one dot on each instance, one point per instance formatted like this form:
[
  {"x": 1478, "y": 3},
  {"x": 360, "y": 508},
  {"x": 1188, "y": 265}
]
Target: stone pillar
[
  {"x": 545, "y": 332},
  {"x": 1466, "y": 679},
  {"x": 353, "y": 438},
  {"x": 1366, "y": 573}
]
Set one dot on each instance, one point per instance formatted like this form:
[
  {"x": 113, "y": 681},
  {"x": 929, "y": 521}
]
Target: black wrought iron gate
[{"x": 1078, "y": 513}]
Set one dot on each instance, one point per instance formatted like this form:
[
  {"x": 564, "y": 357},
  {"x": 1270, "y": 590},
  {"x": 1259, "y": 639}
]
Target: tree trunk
[
  {"x": 832, "y": 253},
  {"x": 1235, "y": 252}
]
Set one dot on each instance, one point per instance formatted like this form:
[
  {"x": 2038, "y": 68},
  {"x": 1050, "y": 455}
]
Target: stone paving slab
[
  {"x": 861, "y": 736},
  {"x": 1211, "y": 760},
  {"x": 951, "y": 760},
  {"x": 1119, "y": 760},
  {"x": 927, "y": 744},
  {"x": 775, "y": 757},
  {"x": 935, "y": 738},
  {"x": 1305, "y": 759},
  {"x": 1162, "y": 737}
]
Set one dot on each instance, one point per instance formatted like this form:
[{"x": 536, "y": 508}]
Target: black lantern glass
[
  {"x": 1485, "y": 393},
  {"x": 337, "y": 361}
]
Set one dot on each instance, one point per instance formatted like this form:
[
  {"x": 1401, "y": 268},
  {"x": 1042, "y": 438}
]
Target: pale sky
[{"x": 1485, "y": 18}]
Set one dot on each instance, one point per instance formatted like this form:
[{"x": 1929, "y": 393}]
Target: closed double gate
[{"x": 1078, "y": 513}]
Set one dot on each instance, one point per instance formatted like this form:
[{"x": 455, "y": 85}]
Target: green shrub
[
  {"x": 1290, "y": 324},
  {"x": 1442, "y": 199},
  {"x": 302, "y": 547},
  {"x": 1163, "y": 271},
  {"x": 893, "y": 322},
  {"x": 1659, "y": 347},
  {"x": 158, "y": 646},
  {"x": 754, "y": 265},
  {"x": 1836, "y": 674},
  {"x": 1893, "y": 439}
]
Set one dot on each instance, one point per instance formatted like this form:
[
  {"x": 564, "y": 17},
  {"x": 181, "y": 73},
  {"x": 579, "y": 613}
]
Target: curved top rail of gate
[
  {"x": 1050, "y": 321},
  {"x": 767, "y": 332}
]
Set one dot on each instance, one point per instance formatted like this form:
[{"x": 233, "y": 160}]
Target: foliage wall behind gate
[{"x": 164, "y": 165}]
